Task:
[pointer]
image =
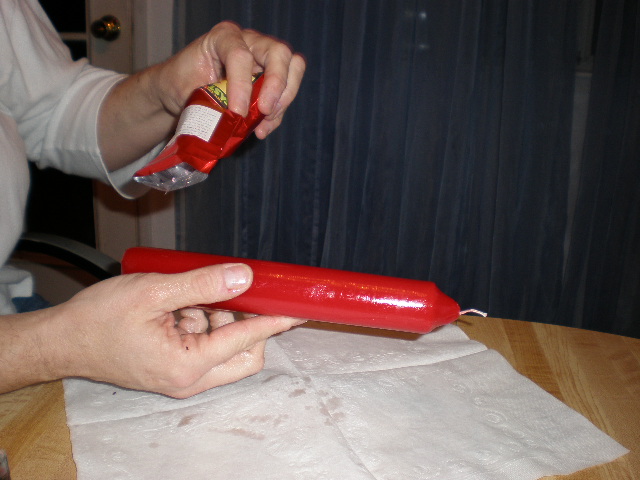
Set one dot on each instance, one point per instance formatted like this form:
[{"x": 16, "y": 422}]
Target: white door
[{"x": 149, "y": 221}]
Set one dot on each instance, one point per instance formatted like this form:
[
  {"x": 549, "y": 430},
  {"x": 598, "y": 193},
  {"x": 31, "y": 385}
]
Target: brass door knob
[{"x": 106, "y": 28}]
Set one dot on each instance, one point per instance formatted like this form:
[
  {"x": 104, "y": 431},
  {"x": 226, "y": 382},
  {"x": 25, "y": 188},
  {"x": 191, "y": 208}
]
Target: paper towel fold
[{"x": 335, "y": 405}]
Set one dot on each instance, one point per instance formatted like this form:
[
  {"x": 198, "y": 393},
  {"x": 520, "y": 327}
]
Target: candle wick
[{"x": 473, "y": 310}]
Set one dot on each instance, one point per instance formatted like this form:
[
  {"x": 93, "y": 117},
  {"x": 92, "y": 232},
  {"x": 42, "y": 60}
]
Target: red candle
[{"x": 315, "y": 293}]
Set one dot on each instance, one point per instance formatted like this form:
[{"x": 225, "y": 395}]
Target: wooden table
[{"x": 596, "y": 374}]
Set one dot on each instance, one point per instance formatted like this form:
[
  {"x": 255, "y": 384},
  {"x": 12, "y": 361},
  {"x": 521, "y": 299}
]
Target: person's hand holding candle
[{"x": 124, "y": 331}]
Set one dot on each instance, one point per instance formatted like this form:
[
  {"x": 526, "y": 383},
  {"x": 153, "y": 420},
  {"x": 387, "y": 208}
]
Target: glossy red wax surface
[{"x": 316, "y": 293}]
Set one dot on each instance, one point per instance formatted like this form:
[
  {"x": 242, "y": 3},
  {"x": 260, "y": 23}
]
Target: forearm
[
  {"x": 29, "y": 350},
  {"x": 132, "y": 120}
]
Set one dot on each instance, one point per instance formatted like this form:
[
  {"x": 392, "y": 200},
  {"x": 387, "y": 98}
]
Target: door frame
[{"x": 146, "y": 38}]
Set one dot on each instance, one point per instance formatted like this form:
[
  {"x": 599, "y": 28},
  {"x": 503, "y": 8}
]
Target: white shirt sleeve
[
  {"x": 55, "y": 101},
  {"x": 49, "y": 108}
]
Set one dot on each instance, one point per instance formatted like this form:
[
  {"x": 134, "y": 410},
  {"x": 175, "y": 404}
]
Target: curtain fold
[
  {"x": 601, "y": 289},
  {"x": 433, "y": 140}
]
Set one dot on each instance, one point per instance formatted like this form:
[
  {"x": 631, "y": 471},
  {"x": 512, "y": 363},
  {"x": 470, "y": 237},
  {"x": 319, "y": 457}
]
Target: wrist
[
  {"x": 151, "y": 90},
  {"x": 29, "y": 350},
  {"x": 46, "y": 341},
  {"x": 133, "y": 119},
  {"x": 170, "y": 89}
]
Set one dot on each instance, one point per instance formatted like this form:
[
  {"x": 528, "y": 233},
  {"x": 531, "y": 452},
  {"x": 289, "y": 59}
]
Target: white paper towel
[{"x": 336, "y": 405}]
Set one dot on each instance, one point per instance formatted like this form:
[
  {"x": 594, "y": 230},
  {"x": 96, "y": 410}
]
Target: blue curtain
[
  {"x": 601, "y": 286},
  {"x": 432, "y": 140}
]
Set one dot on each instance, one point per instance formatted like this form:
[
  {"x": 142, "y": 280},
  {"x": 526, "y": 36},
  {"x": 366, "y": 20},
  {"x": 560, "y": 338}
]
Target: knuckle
[
  {"x": 258, "y": 363},
  {"x": 282, "y": 51},
  {"x": 242, "y": 336},
  {"x": 226, "y": 25},
  {"x": 298, "y": 64},
  {"x": 180, "y": 395},
  {"x": 151, "y": 288},
  {"x": 253, "y": 362},
  {"x": 275, "y": 122},
  {"x": 255, "y": 367},
  {"x": 180, "y": 378},
  {"x": 240, "y": 53},
  {"x": 280, "y": 83},
  {"x": 204, "y": 284}
]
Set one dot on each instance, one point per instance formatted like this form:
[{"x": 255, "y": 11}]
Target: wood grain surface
[{"x": 596, "y": 374}]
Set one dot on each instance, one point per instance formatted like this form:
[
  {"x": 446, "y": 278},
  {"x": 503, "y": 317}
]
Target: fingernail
[
  {"x": 236, "y": 277},
  {"x": 241, "y": 107}
]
